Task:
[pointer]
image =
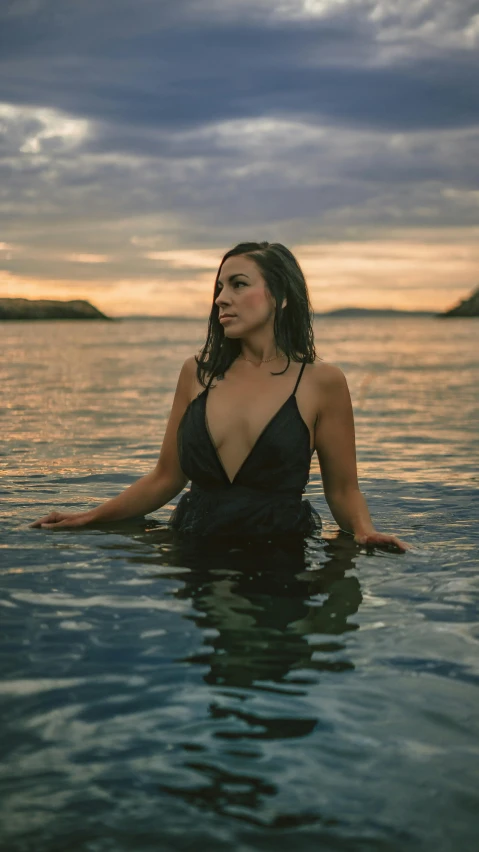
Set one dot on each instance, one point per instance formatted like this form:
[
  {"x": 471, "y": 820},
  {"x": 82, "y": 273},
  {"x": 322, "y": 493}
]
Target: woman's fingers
[
  {"x": 401, "y": 544},
  {"x": 395, "y": 542},
  {"x": 48, "y": 519},
  {"x": 67, "y": 521},
  {"x": 380, "y": 540},
  {"x": 58, "y": 519},
  {"x": 62, "y": 519}
]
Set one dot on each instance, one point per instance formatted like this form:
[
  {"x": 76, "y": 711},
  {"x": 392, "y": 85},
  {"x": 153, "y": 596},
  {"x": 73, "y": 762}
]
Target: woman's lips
[{"x": 227, "y": 317}]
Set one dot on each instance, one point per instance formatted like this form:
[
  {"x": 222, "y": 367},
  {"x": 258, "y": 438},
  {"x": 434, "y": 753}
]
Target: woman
[{"x": 244, "y": 433}]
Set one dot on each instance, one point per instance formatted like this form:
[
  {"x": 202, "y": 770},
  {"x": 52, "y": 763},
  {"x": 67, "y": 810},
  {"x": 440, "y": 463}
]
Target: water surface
[{"x": 157, "y": 696}]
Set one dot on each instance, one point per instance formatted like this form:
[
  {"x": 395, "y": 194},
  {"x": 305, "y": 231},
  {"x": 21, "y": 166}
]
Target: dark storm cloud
[
  {"x": 144, "y": 64},
  {"x": 196, "y": 122}
]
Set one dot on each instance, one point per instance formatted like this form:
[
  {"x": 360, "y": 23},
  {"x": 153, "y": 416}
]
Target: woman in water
[{"x": 244, "y": 433}]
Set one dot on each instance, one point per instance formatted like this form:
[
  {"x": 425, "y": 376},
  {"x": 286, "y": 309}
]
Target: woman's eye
[{"x": 233, "y": 284}]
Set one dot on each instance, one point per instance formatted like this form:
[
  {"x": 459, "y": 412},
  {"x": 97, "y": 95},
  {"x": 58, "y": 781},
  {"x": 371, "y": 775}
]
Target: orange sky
[{"x": 400, "y": 270}]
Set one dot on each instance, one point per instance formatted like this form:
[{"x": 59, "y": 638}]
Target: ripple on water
[{"x": 154, "y": 696}]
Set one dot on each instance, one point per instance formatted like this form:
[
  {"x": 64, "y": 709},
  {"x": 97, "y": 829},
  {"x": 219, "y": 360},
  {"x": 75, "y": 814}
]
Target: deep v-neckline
[{"x": 273, "y": 418}]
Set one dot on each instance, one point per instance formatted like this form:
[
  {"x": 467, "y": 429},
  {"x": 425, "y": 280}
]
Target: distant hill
[
  {"x": 46, "y": 309},
  {"x": 466, "y": 308},
  {"x": 374, "y": 312}
]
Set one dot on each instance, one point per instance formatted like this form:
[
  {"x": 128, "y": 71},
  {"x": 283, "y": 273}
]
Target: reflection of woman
[
  {"x": 264, "y": 601},
  {"x": 244, "y": 433}
]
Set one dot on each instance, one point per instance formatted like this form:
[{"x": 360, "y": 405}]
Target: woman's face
[{"x": 243, "y": 300}]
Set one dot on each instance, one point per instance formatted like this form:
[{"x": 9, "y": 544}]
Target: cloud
[
  {"x": 87, "y": 258},
  {"x": 185, "y": 64},
  {"x": 169, "y": 131}
]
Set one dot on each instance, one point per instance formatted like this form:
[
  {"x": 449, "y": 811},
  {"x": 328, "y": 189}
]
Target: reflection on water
[
  {"x": 158, "y": 693},
  {"x": 271, "y": 622},
  {"x": 91, "y": 398},
  {"x": 264, "y": 603}
]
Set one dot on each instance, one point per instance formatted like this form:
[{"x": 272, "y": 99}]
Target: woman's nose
[{"x": 221, "y": 299}]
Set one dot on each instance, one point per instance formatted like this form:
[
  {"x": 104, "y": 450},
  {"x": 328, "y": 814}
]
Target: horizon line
[{"x": 426, "y": 312}]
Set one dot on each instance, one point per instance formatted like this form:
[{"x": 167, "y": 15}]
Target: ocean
[{"x": 154, "y": 697}]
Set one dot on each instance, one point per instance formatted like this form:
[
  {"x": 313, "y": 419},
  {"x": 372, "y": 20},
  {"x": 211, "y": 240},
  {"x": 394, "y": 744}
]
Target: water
[{"x": 157, "y": 698}]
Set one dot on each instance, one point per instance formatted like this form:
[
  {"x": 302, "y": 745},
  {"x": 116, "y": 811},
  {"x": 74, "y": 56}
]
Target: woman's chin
[{"x": 231, "y": 333}]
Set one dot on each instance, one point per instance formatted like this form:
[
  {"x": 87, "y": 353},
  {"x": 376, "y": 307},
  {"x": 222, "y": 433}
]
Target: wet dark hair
[{"x": 293, "y": 324}]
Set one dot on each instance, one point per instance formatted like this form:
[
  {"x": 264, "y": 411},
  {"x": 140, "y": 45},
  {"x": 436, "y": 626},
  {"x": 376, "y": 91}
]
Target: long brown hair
[{"x": 293, "y": 324}]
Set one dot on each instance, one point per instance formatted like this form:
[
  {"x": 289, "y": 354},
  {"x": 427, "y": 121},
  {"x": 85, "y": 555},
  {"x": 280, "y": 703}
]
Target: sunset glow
[
  {"x": 348, "y": 131},
  {"x": 394, "y": 273}
]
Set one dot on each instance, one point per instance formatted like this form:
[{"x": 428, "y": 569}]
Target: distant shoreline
[
  {"x": 374, "y": 312},
  {"x": 340, "y": 312},
  {"x": 44, "y": 309}
]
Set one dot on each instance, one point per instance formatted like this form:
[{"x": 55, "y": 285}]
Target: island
[
  {"x": 354, "y": 313},
  {"x": 466, "y": 308},
  {"x": 46, "y": 309}
]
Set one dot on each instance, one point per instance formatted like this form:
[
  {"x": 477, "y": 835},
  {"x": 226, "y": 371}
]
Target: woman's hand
[
  {"x": 378, "y": 539},
  {"x": 56, "y": 520}
]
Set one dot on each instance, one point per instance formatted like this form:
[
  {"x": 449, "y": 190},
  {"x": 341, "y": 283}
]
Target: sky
[{"x": 142, "y": 139}]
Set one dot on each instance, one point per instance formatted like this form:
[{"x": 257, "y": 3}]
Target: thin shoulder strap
[{"x": 299, "y": 377}]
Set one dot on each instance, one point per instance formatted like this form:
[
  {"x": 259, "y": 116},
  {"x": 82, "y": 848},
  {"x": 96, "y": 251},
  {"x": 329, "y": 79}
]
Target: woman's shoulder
[
  {"x": 328, "y": 386},
  {"x": 188, "y": 378},
  {"x": 326, "y": 376},
  {"x": 189, "y": 365}
]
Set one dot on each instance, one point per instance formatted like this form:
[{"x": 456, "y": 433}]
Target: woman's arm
[
  {"x": 336, "y": 448},
  {"x": 155, "y": 488}
]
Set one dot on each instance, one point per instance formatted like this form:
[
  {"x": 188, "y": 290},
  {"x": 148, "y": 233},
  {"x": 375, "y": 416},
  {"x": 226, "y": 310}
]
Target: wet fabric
[{"x": 265, "y": 496}]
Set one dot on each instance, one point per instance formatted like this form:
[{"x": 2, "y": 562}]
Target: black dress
[{"x": 265, "y": 496}]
